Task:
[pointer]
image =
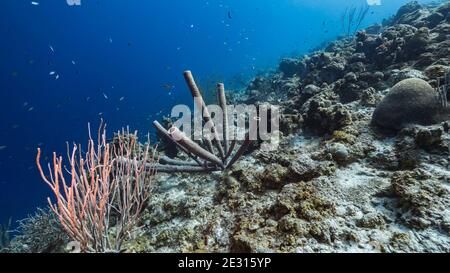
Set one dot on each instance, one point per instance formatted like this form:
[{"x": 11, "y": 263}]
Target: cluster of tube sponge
[{"x": 212, "y": 155}]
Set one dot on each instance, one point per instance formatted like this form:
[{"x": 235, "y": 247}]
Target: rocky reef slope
[{"x": 336, "y": 184}]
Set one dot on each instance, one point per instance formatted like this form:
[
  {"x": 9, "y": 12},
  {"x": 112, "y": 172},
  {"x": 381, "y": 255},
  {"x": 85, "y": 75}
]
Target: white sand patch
[
  {"x": 385, "y": 145},
  {"x": 354, "y": 175},
  {"x": 304, "y": 142},
  {"x": 440, "y": 172}
]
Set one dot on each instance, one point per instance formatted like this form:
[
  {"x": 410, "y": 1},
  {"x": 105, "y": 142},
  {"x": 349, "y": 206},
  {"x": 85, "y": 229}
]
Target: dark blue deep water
[{"x": 63, "y": 66}]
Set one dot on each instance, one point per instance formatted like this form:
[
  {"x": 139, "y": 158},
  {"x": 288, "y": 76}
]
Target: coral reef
[{"x": 335, "y": 184}]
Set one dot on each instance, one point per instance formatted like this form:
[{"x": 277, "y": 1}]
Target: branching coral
[
  {"x": 216, "y": 155},
  {"x": 106, "y": 194},
  {"x": 352, "y": 18},
  {"x": 39, "y": 233}
]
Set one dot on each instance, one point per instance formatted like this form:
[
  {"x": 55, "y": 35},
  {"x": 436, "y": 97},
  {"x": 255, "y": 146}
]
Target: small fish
[
  {"x": 57, "y": 77},
  {"x": 105, "y": 96},
  {"x": 52, "y": 49},
  {"x": 74, "y": 63},
  {"x": 122, "y": 98},
  {"x": 229, "y": 15},
  {"x": 25, "y": 104},
  {"x": 30, "y": 109},
  {"x": 52, "y": 73},
  {"x": 3, "y": 147},
  {"x": 167, "y": 86},
  {"x": 110, "y": 40},
  {"x": 35, "y": 3}
]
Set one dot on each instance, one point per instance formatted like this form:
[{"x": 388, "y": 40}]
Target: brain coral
[{"x": 411, "y": 101}]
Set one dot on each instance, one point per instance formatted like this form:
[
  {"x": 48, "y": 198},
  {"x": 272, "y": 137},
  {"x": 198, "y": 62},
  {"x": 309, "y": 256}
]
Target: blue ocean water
[{"x": 63, "y": 66}]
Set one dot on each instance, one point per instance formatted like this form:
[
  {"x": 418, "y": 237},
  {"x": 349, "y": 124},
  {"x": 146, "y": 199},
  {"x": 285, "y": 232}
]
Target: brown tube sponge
[
  {"x": 198, "y": 100},
  {"x": 241, "y": 151},
  {"x": 223, "y": 104},
  {"x": 193, "y": 147},
  {"x": 163, "y": 131},
  {"x": 182, "y": 169},
  {"x": 170, "y": 161}
]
